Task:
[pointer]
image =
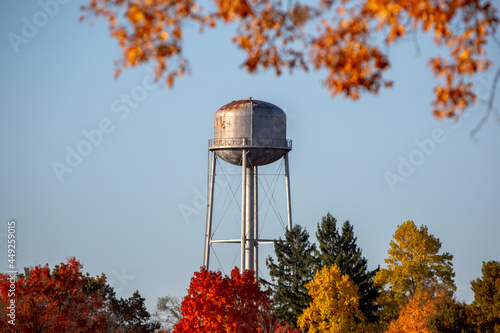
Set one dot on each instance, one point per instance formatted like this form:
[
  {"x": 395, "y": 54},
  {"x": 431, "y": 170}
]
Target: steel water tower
[{"x": 247, "y": 133}]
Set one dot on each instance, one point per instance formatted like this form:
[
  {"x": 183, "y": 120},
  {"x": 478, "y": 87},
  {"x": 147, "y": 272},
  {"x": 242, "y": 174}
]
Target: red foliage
[
  {"x": 287, "y": 328},
  {"x": 223, "y": 304},
  {"x": 51, "y": 301}
]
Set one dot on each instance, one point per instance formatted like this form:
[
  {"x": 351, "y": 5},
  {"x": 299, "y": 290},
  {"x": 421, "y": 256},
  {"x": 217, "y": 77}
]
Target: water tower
[{"x": 247, "y": 133}]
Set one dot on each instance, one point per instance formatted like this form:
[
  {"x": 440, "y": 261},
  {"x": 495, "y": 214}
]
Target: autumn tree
[
  {"x": 66, "y": 300},
  {"x": 287, "y": 328},
  {"x": 347, "y": 40},
  {"x": 432, "y": 312},
  {"x": 217, "y": 303},
  {"x": 294, "y": 267},
  {"x": 414, "y": 265},
  {"x": 485, "y": 309},
  {"x": 334, "y": 306},
  {"x": 52, "y": 301},
  {"x": 340, "y": 249},
  {"x": 416, "y": 315}
]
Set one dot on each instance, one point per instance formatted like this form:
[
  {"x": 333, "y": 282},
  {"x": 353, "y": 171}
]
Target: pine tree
[
  {"x": 486, "y": 305},
  {"x": 294, "y": 268},
  {"x": 340, "y": 249}
]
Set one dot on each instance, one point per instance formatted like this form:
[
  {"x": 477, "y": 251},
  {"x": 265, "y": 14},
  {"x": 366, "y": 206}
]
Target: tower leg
[
  {"x": 249, "y": 219},
  {"x": 288, "y": 198},
  {"x": 256, "y": 222},
  {"x": 243, "y": 208},
  {"x": 210, "y": 201}
]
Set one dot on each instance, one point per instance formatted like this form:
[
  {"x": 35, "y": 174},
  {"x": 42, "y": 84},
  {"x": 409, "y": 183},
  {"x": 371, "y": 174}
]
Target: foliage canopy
[
  {"x": 414, "y": 266},
  {"x": 334, "y": 306},
  {"x": 294, "y": 267},
  {"x": 340, "y": 249},
  {"x": 217, "y": 303},
  {"x": 66, "y": 300},
  {"x": 338, "y": 38},
  {"x": 486, "y": 305},
  {"x": 414, "y": 317}
]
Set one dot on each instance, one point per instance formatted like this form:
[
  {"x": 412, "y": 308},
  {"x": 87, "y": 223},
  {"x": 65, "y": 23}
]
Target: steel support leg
[
  {"x": 288, "y": 198},
  {"x": 243, "y": 207},
  {"x": 210, "y": 201},
  {"x": 256, "y": 222},
  {"x": 249, "y": 219}
]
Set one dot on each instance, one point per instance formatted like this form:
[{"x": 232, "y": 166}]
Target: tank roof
[{"x": 239, "y": 103}]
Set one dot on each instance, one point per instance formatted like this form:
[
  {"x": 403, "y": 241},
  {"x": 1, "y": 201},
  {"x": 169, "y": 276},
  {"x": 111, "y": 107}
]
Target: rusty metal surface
[{"x": 258, "y": 126}]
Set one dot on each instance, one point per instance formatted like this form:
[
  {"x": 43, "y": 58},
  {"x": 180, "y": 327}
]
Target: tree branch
[{"x": 490, "y": 107}]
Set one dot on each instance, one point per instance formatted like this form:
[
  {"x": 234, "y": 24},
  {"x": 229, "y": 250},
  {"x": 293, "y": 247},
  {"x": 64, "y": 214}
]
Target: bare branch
[{"x": 490, "y": 107}]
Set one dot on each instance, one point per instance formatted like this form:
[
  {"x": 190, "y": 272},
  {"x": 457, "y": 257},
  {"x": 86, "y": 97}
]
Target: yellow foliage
[
  {"x": 414, "y": 262},
  {"x": 414, "y": 266},
  {"x": 134, "y": 14},
  {"x": 133, "y": 55},
  {"x": 334, "y": 307}
]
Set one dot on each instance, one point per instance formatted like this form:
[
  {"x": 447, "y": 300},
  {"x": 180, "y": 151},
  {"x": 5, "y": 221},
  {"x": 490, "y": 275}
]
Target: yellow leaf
[
  {"x": 135, "y": 14},
  {"x": 464, "y": 54}
]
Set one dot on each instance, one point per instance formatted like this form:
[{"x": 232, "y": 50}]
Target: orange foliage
[
  {"x": 477, "y": 20},
  {"x": 223, "y": 304},
  {"x": 279, "y": 35},
  {"x": 53, "y": 301},
  {"x": 415, "y": 315}
]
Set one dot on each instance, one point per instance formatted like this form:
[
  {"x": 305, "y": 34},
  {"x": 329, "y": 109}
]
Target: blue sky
[{"x": 119, "y": 210}]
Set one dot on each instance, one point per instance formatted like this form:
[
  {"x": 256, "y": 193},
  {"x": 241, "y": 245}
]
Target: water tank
[{"x": 256, "y": 126}]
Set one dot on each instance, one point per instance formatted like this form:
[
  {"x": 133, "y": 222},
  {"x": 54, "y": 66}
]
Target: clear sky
[{"x": 120, "y": 209}]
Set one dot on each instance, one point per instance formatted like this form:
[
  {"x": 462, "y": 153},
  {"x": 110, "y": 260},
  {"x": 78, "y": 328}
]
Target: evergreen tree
[
  {"x": 451, "y": 317},
  {"x": 339, "y": 248},
  {"x": 130, "y": 315},
  {"x": 294, "y": 268},
  {"x": 486, "y": 305}
]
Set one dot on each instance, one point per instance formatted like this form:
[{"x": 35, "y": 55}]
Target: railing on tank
[{"x": 250, "y": 143}]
